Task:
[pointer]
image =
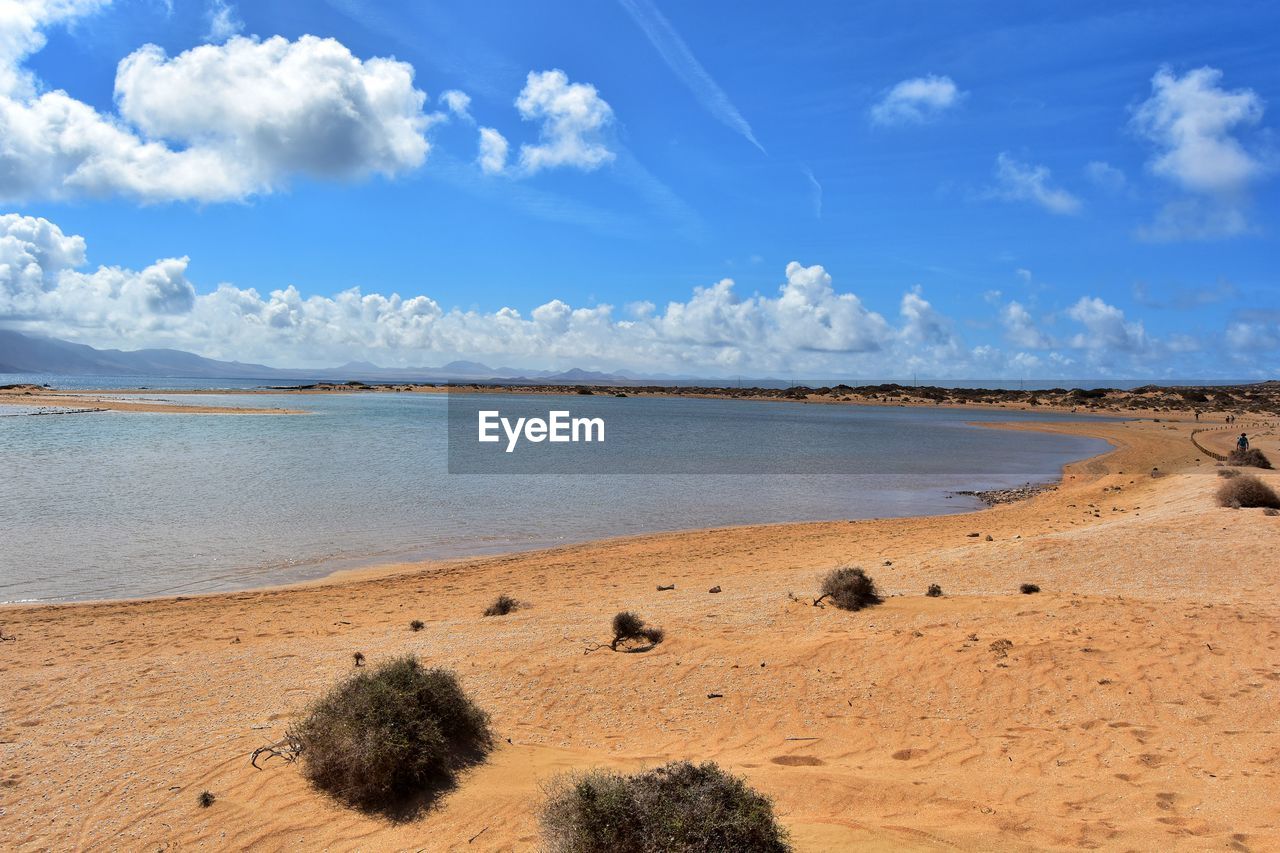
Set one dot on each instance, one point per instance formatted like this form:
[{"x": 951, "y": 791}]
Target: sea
[{"x": 110, "y": 505}]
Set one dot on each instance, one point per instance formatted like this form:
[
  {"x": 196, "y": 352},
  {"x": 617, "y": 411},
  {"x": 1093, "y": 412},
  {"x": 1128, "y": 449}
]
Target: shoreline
[
  {"x": 1259, "y": 401},
  {"x": 382, "y": 566},
  {"x": 1151, "y": 645}
]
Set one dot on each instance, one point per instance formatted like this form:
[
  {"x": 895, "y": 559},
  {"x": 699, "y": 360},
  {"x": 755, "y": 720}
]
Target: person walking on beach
[{"x": 1242, "y": 443}]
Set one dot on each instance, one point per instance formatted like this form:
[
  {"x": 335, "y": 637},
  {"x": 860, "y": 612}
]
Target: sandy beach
[{"x": 1130, "y": 705}]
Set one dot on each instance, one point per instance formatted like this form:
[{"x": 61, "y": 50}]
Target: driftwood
[
  {"x": 288, "y": 748},
  {"x": 662, "y": 588}
]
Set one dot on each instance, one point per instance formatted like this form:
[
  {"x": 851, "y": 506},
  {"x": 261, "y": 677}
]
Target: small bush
[
  {"x": 1247, "y": 491},
  {"x": 1028, "y": 589},
  {"x": 1228, "y": 473},
  {"x": 1251, "y": 458},
  {"x": 385, "y": 734},
  {"x": 934, "y": 591},
  {"x": 629, "y": 626},
  {"x": 502, "y": 605},
  {"x": 358, "y": 657},
  {"x": 205, "y": 799},
  {"x": 677, "y": 808},
  {"x": 850, "y": 589},
  {"x": 416, "y": 625}
]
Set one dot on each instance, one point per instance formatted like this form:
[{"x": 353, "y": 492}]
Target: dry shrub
[
  {"x": 629, "y": 626},
  {"x": 934, "y": 591},
  {"x": 1228, "y": 473},
  {"x": 416, "y": 625},
  {"x": 502, "y": 605},
  {"x": 677, "y": 808},
  {"x": 1028, "y": 589},
  {"x": 1247, "y": 491},
  {"x": 1251, "y": 458},
  {"x": 383, "y": 735},
  {"x": 850, "y": 589}
]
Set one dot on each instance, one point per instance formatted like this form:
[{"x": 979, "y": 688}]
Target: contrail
[{"x": 687, "y": 67}]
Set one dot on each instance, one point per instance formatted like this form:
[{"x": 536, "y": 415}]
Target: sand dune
[{"x": 1131, "y": 705}]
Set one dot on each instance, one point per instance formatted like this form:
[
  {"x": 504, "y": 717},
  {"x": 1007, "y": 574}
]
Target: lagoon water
[{"x": 114, "y": 505}]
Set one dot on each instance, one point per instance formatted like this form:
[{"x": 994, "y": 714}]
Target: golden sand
[{"x": 1133, "y": 707}]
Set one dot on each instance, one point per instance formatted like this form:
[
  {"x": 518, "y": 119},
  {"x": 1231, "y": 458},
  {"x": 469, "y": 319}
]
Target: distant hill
[{"x": 21, "y": 353}]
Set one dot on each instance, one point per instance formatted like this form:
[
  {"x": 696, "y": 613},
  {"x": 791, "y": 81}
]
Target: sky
[{"x": 721, "y": 189}]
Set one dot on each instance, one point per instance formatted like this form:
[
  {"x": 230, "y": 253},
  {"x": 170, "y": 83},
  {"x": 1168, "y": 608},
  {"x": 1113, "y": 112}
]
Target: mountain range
[{"x": 22, "y": 353}]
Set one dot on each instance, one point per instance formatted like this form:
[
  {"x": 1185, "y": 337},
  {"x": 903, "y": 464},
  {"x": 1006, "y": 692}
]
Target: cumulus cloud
[
  {"x": 1105, "y": 327},
  {"x": 224, "y": 21},
  {"x": 493, "y": 151},
  {"x": 1192, "y": 122},
  {"x": 1190, "y": 119},
  {"x": 217, "y": 122},
  {"x": 916, "y": 101},
  {"x": 1017, "y": 181},
  {"x": 22, "y": 25},
  {"x": 45, "y": 286},
  {"x": 458, "y": 103},
  {"x": 806, "y": 328},
  {"x": 572, "y": 116},
  {"x": 1020, "y": 328}
]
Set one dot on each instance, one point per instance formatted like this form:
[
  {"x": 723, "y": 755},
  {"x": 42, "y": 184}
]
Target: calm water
[{"x": 116, "y": 505}]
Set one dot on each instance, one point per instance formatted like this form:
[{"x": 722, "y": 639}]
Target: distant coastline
[{"x": 1211, "y": 402}]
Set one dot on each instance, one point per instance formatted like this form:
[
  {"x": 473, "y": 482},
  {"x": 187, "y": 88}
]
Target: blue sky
[{"x": 999, "y": 190}]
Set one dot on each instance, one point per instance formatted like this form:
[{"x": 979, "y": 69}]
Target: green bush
[
  {"x": 677, "y": 808},
  {"x": 385, "y": 734},
  {"x": 850, "y": 589}
]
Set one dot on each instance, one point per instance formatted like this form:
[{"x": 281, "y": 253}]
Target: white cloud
[
  {"x": 572, "y": 117},
  {"x": 1017, "y": 181},
  {"x": 217, "y": 122},
  {"x": 1190, "y": 119},
  {"x": 1192, "y": 122},
  {"x": 680, "y": 59},
  {"x": 22, "y": 25},
  {"x": 1195, "y": 219},
  {"x": 1020, "y": 329},
  {"x": 493, "y": 151},
  {"x": 458, "y": 103},
  {"x": 916, "y": 101},
  {"x": 1106, "y": 176},
  {"x": 1105, "y": 327},
  {"x": 224, "y": 21},
  {"x": 815, "y": 192},
  {"x": 1251, "y": 336},
  {"x": 806, "y": 329}
]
